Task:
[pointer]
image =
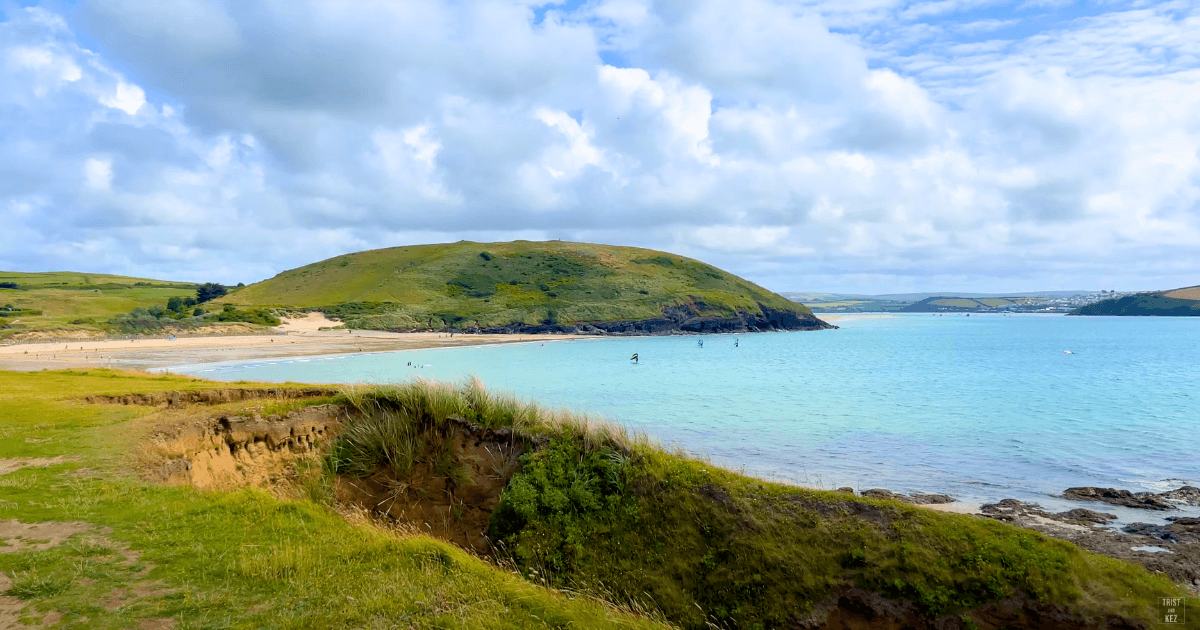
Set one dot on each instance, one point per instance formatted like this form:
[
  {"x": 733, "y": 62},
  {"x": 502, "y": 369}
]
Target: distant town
[{"x": 950, "y": 302}]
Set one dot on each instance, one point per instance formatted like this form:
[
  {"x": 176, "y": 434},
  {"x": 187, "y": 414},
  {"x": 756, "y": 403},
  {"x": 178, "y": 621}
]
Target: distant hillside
[
  {"x": 1174, "y": 303},
  {"x": 527, "y": 286},
  {"x": 944, "y": 304},
  {"x": 916, "y": 297},
  {"x": 72, "y": 302}
]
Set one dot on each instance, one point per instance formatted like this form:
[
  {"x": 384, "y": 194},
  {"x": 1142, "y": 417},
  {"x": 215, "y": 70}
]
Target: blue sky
[{"x": 862, "y": 146}]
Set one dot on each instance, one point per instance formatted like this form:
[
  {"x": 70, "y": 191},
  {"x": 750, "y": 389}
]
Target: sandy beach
[
  {"x": 295, "y": 337},
  {"x": 303, "y": 336}
]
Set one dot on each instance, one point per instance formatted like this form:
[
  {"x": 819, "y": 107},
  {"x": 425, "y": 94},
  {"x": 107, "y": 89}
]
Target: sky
[{"x": 853, "y": 146}]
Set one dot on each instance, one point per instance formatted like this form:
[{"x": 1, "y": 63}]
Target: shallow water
[{"x": 980, "y": 407}]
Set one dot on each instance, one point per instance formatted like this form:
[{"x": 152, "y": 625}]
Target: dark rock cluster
[
  {"x": 687, "y": 318},
  {"x": 916, "y": 498}
]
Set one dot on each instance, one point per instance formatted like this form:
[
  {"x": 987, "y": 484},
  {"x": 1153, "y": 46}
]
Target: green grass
[
  {"x": 241, "y": 559},
  {"x": 708, "y": 546},
  {"x": 70, "y": 301},
  {"x": 596, "y": 511},
  {"x": 461, "y": 284},
  {"x": 592, "y": 511}
]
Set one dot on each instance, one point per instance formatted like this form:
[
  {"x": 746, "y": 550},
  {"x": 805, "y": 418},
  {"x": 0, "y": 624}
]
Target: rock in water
[
  {"x": 931, "y": 499},
  {"x": 1113, "y": 496}
]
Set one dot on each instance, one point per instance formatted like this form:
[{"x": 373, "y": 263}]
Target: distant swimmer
[
  {"x": 1067, "y": 352},
  {"x": 700, "y": 343},
  {"x": 634, "y": 358},
  {"x": 735, "y": 342}
]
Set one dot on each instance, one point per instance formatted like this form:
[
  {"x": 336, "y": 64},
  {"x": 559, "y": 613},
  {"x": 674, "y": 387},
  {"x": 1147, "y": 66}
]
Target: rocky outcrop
[
  {"x": 916, "y": 498},
  {"x": 686, "y": 318},
  {"x": 1143, "y": 500},
  {"x": 1180, "y": 529}
]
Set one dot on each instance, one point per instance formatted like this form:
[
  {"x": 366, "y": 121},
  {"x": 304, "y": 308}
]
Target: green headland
[
  {"x": 521, "y": 286},
  {"x": 1183, "y": 302},
  {"x": 527, "y": 286}
]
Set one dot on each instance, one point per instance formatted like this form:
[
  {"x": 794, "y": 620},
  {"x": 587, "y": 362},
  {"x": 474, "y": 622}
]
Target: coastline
[
  {"x": 312, "y": 335},
  {"x": 161, "y": 353}
]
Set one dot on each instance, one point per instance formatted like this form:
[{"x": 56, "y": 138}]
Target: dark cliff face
[{"x": 675, "y": 320}]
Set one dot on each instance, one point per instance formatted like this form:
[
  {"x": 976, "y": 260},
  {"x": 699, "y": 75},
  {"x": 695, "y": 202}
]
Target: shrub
[
  {"x": 209, "y": 291},
  {"x": 250, "y": 316}
]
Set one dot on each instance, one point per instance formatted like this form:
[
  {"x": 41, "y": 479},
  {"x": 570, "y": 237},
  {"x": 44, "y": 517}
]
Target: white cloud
[
  {"x": 98, "y": 173},
  {"x": 127, "y": 98},
  {"x": 856, "y": 145}
]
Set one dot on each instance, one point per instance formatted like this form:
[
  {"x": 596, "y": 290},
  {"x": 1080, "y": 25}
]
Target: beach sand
[
  {"x": 295, "y": 337},
  {"x": 309, "y": 335}
]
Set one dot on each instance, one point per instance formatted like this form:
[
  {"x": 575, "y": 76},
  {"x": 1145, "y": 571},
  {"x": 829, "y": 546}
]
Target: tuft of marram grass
[
  {"x": 396, "y": 423},
  {"x": 431, "y": 403}
]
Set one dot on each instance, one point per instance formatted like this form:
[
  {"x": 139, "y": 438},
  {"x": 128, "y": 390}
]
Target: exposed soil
[
  {"x": 431, "y": 502},
  {"x": 17, "y": 536},
  {"x": 211, "y": 396},
  {"x": 229, "y": 450},
  {"x": 13, "y": 464},
  {"x": 223, "y": 451}
]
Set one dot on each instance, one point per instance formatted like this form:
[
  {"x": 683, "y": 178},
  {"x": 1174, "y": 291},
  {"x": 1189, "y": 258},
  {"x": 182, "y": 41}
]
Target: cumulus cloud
[{"x": 869, "y": 145}]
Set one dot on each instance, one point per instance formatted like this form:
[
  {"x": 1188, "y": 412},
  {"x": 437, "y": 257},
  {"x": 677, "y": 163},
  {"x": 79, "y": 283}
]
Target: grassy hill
[
  {"x": 627, "y": 535},
  {"x": 964, "y": 304},
  {"x": 1174, "y": 303},
  {"x": 69, "y": 301},
  {"x": 481, "y": 285}
]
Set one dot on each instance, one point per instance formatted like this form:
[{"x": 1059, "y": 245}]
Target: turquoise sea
[{"x": 981, "y": 407}]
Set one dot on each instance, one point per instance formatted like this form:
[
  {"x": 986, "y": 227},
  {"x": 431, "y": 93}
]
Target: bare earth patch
[
  {"x": 18, "y": 536},
  {"x": 10, "y": 607},
  {"x": 14, "y": 464}
]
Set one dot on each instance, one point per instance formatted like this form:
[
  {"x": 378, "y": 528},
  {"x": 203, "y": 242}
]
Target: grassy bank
[
  {"x": 594, "y": 510},
  {"x": 588, "y": 510},
  {"x": 149, "y": 556}
]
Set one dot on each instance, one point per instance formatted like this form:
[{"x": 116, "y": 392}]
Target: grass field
[
  {"x": 1189, "y": 293},
  {"x": 69, "y": 301},
  {"x": 492, "y": 284},
  {"x": 151, "y": 556}
]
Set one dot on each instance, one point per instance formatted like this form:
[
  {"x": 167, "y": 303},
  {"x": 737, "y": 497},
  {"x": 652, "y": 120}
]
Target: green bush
[
  {"x": 563, "y": 496},
  {"x": 260, "y": 316}
]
